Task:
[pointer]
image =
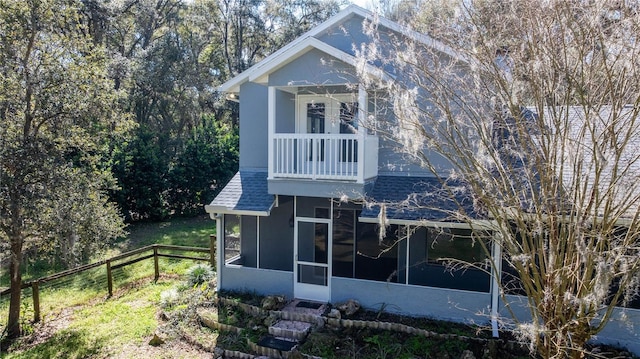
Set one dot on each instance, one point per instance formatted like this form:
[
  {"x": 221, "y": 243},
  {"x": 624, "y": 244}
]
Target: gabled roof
[
  {"x": 260, "y": 73},
  {"x": 245, "y": 194},
  {"x": 309, "y": 41}
]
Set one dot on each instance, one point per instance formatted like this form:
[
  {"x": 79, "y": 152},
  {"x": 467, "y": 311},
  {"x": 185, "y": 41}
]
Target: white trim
[
  {"x": 495, "y": 283},
  {"x": 362, "y": 129},
  {"x": 214, "y": 210},
  {"x": 219, "y": 249},
  {"x": 258, "y": 242},
  {"x": 417, "y": 286},
  {"x": 230, "y": 86},
  {"x": 313, "y": 291},
  {"x": 261, "y": 75},
  {"x": 476, "y": 224},
  {"x": 406, "y": 264}
]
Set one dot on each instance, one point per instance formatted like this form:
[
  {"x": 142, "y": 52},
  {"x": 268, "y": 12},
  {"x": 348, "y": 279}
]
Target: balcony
[{"x": 334, "y": 157}]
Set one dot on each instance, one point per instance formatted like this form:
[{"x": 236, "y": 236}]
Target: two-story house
[{"x": 295, "y": 221}]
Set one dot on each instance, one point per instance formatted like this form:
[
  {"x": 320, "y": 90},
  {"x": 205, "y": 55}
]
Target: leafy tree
[
  {"x": 141, "y": 169},
  {"x": 535, "y": 105},
  {"x": 55, "y": 116},
  {"x": 209, "y": 160},
  {"x": 169, "y": 56}
]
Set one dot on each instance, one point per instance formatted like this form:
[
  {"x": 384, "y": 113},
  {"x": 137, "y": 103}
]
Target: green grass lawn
[
  {"x": 180, "y": 232},
  {"x": 101, "y": 328},
  {"x": 130, "y": 313}
]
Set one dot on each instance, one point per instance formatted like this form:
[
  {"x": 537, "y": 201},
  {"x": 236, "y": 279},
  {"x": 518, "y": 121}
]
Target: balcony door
[
  {"x": 331, "y": 114},
  {"x": 335, "y": 117}
]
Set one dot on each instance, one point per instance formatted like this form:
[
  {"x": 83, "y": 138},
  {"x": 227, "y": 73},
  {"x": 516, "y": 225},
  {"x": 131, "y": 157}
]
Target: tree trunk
[{"x": 13, "y": 325}]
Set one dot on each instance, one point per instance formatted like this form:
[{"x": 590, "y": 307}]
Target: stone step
[
  {"x": 305, "y": 307},
  {"x": 290, "y": 329}
]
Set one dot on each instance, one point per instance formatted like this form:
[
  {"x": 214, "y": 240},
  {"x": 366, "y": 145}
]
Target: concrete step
[
  {"x": 290, "y": 329},
  {"x": 305, "y": 308}
]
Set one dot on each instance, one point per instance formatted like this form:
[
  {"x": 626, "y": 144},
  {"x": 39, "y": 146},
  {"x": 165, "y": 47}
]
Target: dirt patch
[
  {"x": 171, "y": 349},
  {"x": 46, "y": 329}
]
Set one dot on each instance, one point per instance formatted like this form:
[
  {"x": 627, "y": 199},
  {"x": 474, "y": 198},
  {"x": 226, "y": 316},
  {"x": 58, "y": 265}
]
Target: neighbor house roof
[
  {"x": 245, "y": 194},
  {"x": 306, "y": 42},
  {"x": 410, "y": 199},
  {"x": 603, "y": 153}
]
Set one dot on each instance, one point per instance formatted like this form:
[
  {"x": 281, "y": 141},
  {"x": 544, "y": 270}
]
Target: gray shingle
[
  {"x": 247, "y": 191},
  {"x": 418, "y": 198}
]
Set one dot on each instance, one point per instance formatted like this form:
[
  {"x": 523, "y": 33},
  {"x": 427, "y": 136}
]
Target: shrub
[{"x": 199, "y": 274}]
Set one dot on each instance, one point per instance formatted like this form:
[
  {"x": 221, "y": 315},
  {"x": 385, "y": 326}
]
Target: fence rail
[{"x": 155, "y": 253}]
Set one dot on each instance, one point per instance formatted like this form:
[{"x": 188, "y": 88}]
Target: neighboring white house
[{"x": 292, "y": 220}]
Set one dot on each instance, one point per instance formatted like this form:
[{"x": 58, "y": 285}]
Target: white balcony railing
[{"x": 321, "y": 156}]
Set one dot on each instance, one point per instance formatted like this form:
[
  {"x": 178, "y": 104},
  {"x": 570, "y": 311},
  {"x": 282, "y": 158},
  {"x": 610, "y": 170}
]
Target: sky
[{"x": 367, "y": 4}]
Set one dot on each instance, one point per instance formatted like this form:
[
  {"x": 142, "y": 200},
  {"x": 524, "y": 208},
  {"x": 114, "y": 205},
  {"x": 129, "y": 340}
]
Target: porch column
[
  {"x": 220, "y": 260},
  {"x": 271, "y": 129},
  {"x": 495, "y": 282},
  {"x": 362, "y": 109}
]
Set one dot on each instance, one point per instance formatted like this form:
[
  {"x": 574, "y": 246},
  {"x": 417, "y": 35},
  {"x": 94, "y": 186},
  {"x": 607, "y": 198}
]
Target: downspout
[{"x": 495, "y": 284}]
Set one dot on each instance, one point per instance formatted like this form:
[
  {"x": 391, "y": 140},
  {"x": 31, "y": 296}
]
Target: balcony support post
[
  {"x": 362, "y": 110},
  {"x": 271, "y": 129}
]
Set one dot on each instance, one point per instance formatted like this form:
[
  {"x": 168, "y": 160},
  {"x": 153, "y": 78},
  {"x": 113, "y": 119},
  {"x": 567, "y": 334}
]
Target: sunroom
[{"x": 325, "y": 250}]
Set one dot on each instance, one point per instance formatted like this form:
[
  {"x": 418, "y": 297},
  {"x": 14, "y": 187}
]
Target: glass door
[
  {"x": 316, "y": 117},
  {"x": 312, "y": 253}
]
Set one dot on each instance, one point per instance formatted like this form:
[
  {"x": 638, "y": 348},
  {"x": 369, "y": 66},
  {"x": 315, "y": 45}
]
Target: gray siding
[
  {"x": 347, "y": 36},
  {"x": 313, "y": 67},
  {"x": 622, "y": 329},
  {"x": 285, "y": 112},
  {"x": 253, "y": 126},
  {"x": 261, "y": 281},
  {"x": 459, "y": 306},
  {"x": 336, "y": 189},
  {"x": 350, "y": 35},
  {"x": 307, "y": 205}
]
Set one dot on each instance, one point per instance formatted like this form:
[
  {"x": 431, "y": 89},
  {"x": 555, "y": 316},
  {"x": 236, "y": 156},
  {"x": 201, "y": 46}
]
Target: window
[
  {"x": 349, "y": 125},
  {"x": 430, "y": 250},
  {"x": 376, "y": 260},
  {"x": 348, "y": 117},
  {"x": 344, "y": 221},
  {"x": 232, "y": 239}
]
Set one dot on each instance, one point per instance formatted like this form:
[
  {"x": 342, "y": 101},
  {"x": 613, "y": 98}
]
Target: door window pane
[
  {"x": 312, "y": 242},
  {"x": 349, "y": 125},
  {"x": 315, "y": 117},
  {"x": 348, "y": 119},
  {"x": 312, "y": 274}
]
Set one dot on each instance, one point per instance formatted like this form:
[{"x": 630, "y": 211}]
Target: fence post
[
  {"x": 212, "y": 250},
  {"x": 156, "y": 267},
  {"x": 35, "y": 292},
  {"x": 109, "y": 278}
]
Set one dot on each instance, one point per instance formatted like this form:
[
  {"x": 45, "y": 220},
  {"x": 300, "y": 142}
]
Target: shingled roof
[
  {"x": 246, "y": 193},
  {"x": 419, "y": 198}
]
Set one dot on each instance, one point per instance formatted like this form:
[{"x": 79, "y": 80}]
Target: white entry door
[
  {"x": 330, "y": 114},
  {"x": 331, "y": 123},
  {"x": 312, "y": 250}
]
